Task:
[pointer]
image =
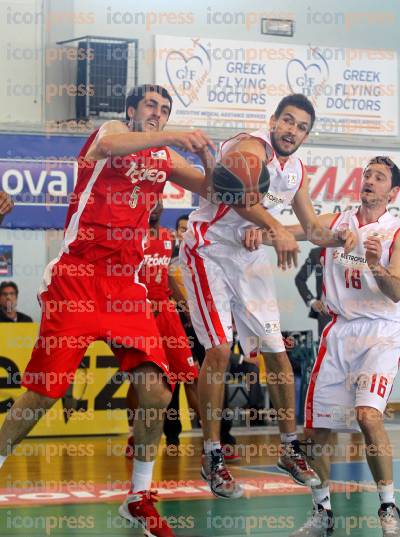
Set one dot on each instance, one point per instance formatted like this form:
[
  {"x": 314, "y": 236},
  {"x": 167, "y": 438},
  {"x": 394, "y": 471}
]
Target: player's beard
[
  {"x": 374, "y": 203},
  {"x": 278, "y": 150}
]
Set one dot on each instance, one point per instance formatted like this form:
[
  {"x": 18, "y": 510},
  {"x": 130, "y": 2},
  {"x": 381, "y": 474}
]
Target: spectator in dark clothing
[
  {"x": 8, "y": 305},
  {"x": 313, "y": 300}
]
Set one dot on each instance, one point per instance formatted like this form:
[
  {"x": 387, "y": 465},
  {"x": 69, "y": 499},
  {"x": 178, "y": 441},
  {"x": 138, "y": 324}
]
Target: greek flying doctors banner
[{"x": 238, "y": 84}]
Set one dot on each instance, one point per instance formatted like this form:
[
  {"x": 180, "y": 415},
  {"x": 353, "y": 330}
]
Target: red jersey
[
  {"x": 108, "y": 215},
  {"x": 157, "y": 256}
]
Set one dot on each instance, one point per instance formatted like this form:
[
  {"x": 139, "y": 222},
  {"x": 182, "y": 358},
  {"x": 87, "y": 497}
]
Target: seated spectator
[{"x": 8, "y": 305}]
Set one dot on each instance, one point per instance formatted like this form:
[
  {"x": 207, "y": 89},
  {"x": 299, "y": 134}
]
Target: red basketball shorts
[
  {"x": 80, "y": 306},
  {"x": 176, "y": 344}
]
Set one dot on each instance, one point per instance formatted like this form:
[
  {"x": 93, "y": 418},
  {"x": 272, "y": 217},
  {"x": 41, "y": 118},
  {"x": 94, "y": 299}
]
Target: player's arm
[
  {"x": 324, "y": 220},
  {"x": 275, "y": 233},
  {"x": 115, "y": 139},
  {"x": 256, "y": 236},
  {"x": 187, "y": 176},
  {"x": 6, "y": 205},
  {"x": 316, "y": 230},
  {"x": 387, "y": 279}
]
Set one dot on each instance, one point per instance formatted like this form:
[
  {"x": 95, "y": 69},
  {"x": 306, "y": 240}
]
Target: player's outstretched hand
[
  {"x": 194, "y": 141},
  {"x": 6, "y": 203},
  {"x": 349, "y": 239},
  {"x": 253, "y": 238},
  {"x": 286, "y": 247},
  {"x": 373, "y": 250}
]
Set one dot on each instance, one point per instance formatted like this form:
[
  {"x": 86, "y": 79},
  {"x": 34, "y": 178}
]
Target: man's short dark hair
[
  {"x": 182, "y": 217},
  {"x": 3, "y": 285},
  {"x": 391, "y": 165},
  {"x": 299, "y": 101},
  {"x": 136, "y": 94}
]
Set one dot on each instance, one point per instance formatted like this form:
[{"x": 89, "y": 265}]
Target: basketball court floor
[{"x": 73, "y": 487}]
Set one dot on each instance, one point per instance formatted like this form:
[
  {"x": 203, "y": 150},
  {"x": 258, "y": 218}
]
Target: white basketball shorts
[
  {"x": 356, "y": 366},
  {"x": 224, "y": 282}
]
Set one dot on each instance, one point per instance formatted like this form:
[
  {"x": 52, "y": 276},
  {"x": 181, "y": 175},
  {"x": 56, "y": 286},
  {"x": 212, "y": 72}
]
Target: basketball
[{"x": 240, "y": 178}]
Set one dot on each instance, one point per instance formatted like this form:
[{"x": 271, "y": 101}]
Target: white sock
[
  {"x": 210, "y": 446},
  {"x": 322, "y": 497},
  {"x": 142, "y": 475},
  {"x": 287, "y": 438},
  {"x": 2, "y": 460},
  {"x": 386, "y": 493}
]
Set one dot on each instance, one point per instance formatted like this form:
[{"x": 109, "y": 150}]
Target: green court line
[{"x": 267, "y": 516}]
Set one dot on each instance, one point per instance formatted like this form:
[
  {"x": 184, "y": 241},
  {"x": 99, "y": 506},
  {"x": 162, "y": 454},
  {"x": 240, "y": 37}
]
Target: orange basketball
[{"x": 240, "y": 178}]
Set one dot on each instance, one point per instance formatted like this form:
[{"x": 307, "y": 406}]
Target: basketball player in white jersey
[
  {"x": 359, "y": 350},
  {"x": 224, "y": 279}
]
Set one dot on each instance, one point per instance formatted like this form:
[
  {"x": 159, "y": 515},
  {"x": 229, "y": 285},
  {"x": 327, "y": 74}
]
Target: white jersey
[
  {"x": 212, "y": 223},
  {"x": 349, "y": 288}
]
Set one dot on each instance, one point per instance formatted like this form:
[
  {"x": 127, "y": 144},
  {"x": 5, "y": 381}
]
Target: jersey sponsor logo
[
  {"x": 272, "y": 327},
  {"x": 138, "y": 172},
  {"x": 156, "y": 260},
  {"x": 323, "y": 415},
  {"x": 349, "y": 260},
  {"x": 273, "y": 199},
  {"x": 160, "y": 155}
]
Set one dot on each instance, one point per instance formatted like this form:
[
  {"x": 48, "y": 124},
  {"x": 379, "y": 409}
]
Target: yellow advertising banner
[{"x": 94, "y": 404}]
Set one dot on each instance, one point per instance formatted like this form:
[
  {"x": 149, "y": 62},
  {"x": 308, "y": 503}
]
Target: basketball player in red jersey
[
  {"x": 154, "y": 275},
  {"x": 89, "y": 289}
]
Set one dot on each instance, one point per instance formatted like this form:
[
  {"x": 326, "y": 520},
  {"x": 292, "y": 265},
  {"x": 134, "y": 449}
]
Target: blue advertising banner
[
  {"x": 39, "y": 172},
  {"x": 40, "y": 190}
]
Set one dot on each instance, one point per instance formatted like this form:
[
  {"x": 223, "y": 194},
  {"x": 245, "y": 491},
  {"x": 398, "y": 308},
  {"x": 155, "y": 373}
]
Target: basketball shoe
[
  {"x": 139, "y": 509},
  {"x": 293, "y": 461},
  {"x": 390, "y": 520},
  {"x": 320, "y": 524},
  {"x": 214, "y": 471}
]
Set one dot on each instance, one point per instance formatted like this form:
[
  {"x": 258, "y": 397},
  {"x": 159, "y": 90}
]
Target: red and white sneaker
[
  {"x": 130, "y": 448},
  {"x": 139, "y": 509}
]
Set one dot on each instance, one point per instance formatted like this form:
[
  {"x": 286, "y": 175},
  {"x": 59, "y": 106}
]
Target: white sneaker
[
  {"x": 320, "y": 524},
  {"x": 390, "y": 520}
]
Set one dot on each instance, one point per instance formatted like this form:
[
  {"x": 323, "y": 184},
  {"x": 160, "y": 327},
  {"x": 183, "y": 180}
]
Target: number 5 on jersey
[{"x": 133, "y": 201}]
